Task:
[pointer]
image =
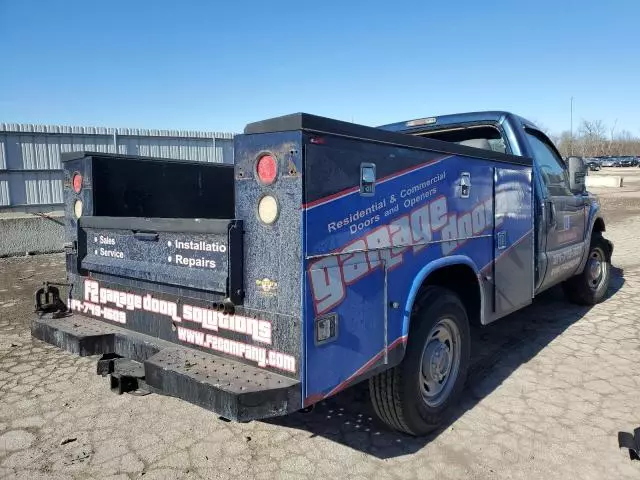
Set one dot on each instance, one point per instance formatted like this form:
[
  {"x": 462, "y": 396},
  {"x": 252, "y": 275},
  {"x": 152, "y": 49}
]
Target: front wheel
[
  {"x": 415, "y": 396},
  {"x": 590, "y": 286}
]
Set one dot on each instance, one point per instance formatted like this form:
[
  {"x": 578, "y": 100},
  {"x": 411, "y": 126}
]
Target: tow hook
[{"x": 631, "y": 442}]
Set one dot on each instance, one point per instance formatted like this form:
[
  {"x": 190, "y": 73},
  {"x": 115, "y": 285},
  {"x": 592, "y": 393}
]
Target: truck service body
[{"x": 330, "y": 253}]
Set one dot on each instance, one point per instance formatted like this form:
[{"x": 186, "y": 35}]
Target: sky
[{"x": 218, "y": 65}]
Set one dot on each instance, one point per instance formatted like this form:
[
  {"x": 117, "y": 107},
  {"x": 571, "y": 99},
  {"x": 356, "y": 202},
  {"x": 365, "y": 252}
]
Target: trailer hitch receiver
[{"x": 125, "y": 375}]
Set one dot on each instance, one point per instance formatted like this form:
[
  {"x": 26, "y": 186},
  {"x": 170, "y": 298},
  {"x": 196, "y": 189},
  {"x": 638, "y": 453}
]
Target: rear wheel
[
  {"x": 590, "y": 286},
  {"x": 415, "y": 396}
]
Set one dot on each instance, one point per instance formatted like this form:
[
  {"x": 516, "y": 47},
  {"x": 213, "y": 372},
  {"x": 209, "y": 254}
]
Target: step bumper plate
[{"x": 229, "y": 388}]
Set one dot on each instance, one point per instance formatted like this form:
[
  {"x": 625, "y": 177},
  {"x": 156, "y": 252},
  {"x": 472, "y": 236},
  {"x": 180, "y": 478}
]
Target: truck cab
[{"x": 567, "y": 218}]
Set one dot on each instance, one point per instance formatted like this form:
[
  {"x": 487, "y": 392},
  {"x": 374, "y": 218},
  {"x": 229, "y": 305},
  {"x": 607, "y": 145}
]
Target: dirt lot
[
  {"x": 620, "y": 203},
  {"x": 549, "y": 390}
]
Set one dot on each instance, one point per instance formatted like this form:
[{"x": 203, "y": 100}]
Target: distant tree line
[{"x": 594, "y": 139}]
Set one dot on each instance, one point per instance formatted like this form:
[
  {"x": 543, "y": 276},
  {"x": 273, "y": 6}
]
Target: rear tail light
[
  {"x": 77, "y": 208},
  {"x": 77, "y": 182},
  {"x": 268, "y": 209},
  {"x": 267, "y": 169}
]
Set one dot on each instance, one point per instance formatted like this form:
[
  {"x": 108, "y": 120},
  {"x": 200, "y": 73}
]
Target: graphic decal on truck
[
  {"x": 199, "y": 252},
  {"x": 261, "y": 356},
  {"x": 95, "y": 295},
  {"x": 195, "y": 246},
  {"x": 113, "y": 305},
  {"x": 210, "y": 319},
  {"x": 566, "y": 261},
  {"x": 331, "y": 275},
  {"x": 107, "y": 252},
  {"x": 409, "y": 197},
  {"x": 393, "y": 176},
  {"x": 200, "y": 245}
]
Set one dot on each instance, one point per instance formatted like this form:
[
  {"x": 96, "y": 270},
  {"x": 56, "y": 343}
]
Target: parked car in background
[
  {"x": 629, "y": 161},
  {"x": 593, "y": 164},
  {"x": 608, "y": 162}
]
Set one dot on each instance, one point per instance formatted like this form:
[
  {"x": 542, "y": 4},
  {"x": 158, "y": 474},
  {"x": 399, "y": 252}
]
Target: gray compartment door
[
  {"x": 513, "y": 246},
  {"x": 183, "y": 252}
]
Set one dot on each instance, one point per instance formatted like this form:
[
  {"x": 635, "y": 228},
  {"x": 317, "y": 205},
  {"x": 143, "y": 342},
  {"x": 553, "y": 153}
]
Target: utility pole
[{"x": 571, "y": 143}]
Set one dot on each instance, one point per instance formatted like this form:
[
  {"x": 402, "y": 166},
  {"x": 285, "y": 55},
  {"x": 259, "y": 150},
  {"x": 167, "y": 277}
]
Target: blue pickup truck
[{"x": 330, "y": 253}]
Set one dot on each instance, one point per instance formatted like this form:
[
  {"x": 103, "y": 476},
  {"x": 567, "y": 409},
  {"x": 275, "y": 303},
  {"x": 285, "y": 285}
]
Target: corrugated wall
[{"x": 30, "y": 169}]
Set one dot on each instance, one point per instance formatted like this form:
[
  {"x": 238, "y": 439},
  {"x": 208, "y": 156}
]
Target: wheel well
[
  {"x": 598, "y": 225},
  {"x": 462, "y": 280}
]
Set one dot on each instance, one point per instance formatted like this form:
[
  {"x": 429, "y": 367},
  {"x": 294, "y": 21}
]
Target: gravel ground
[{"x": 549, "y": 389}]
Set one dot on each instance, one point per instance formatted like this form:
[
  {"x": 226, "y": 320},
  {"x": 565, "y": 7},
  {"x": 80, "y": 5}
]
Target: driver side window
[{"x": 550, "y": 165}]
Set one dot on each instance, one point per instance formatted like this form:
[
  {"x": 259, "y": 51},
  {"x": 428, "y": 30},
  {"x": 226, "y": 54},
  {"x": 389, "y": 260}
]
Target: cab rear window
[{"x": 478, "y": 136}]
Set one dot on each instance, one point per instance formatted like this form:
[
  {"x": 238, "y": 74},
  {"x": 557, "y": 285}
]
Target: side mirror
[{"x": 577, "y": 172}]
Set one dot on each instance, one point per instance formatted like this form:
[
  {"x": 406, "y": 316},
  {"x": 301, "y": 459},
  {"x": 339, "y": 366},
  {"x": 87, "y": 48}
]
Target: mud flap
[
  {"x": 630, "y": 442},
  {"x": 609, "y": 249}
]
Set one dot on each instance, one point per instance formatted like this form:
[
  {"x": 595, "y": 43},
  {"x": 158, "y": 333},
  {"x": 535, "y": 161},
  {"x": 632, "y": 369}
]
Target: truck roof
[
  {"x": 425, "y": 123},
  {"x": 322, "y": 125}
]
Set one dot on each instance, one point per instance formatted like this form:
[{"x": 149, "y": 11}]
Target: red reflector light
[
  {"x": 77, "y": 183},
  {"x": 267, "y": 169}
]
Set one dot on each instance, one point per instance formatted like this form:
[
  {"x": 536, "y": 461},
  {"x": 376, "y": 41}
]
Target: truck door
[{"x": 562, "y": 233}]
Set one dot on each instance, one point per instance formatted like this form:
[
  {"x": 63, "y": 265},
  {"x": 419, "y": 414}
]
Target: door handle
[{"x": 552, "y": 215}]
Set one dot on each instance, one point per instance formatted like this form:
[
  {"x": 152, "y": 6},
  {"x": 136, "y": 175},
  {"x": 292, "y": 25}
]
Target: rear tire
[
  {"x": 590, "y": 286},
  {"x": 416, "y": 396}
]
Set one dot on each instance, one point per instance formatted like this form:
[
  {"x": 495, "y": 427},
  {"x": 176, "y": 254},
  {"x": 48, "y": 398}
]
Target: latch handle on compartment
[
  {"x": 146, "y": 236},
  {"x": 465, "y": 185},
  {"x": 367, "y": 179}
]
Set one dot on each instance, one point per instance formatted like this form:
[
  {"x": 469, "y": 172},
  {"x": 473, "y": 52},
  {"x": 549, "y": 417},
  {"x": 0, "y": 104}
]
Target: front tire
[
  {"x": 590, "y": 286},
  {"x": 416, "y": 396}
]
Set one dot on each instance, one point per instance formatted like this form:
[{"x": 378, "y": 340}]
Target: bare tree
[
  {"x": 625, "y": 144},
  {"x": 543, "y": 128},
  {"x": 613, "y": 129},
  {"x": 563, "y": 143},
  {"x": 593, "y": 138}
]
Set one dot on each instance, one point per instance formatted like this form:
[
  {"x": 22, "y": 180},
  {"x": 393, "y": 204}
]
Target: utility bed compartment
[
  {"x": 130, "y": 186},
  {"x": 191, "y": 253},
  {"x": 156, "y": 220}
]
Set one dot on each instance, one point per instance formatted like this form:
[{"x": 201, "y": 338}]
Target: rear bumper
[{"x": 229, "y": 388}]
